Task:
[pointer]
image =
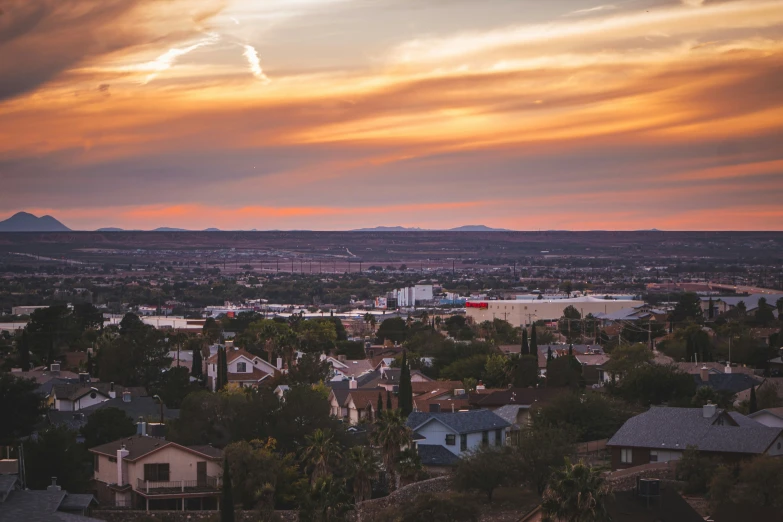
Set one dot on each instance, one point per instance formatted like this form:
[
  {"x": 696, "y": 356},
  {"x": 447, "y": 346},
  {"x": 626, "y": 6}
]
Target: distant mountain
[
  {"x": 25, "y": 222},
  {"x": 211, "y": 230},
  {"x": 110, "y": 229},
  {"x": 465, "y": 228},
  {"x": 477, "y": 228},
  {"x": 168, "y": 229}
]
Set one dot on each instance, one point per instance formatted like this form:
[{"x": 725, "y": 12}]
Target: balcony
[{"x": 208, "y": 485}]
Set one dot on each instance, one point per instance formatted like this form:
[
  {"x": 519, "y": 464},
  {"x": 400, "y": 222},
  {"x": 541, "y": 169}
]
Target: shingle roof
[
  {"x": 527, "y": 396},
  {"x": 77, "y": 502},
  {"x": 145, "y": 407},
  {"x": 461, "y": 422},
  {"x": 7, "y": 483},
  {"x": 37, "y": 506},
  {"x": 731, "y": 382},
  {"x": 678, "y": 428},
  {"x": 139, "y": 446},
  {"x": 436, "y": 455},
  {"x": 509, "y": 412}
]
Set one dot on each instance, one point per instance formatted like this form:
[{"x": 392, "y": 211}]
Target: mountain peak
[{"x": 26, "y": 222}]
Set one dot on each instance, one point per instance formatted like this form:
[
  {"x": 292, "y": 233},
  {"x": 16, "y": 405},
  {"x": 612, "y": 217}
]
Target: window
[
  {"x": 113, "y": 459},
  {"x": 484, "y": 438},
  {"x": 451, "y": 440},
  {"x": 241, "y": 367},
  {"x": 653, "y": 456},
  {"x": 626, "y": 456},
  {"x": 156, "y": 472},
  {"x": 463, "y": 442},
  {"x": 498, "y": 437}
]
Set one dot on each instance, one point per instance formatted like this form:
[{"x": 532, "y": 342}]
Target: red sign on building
[{"x": 476, "y": 305}]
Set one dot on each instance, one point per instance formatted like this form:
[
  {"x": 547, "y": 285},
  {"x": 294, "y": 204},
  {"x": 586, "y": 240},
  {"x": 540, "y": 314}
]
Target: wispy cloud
[
  {"x": 592, "y": 10},
  {"x": 166, "y": 60},
  {"x": 255, "y": 63}
]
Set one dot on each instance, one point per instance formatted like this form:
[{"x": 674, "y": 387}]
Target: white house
[
  {"x": 244, "y": 368},
  {"x": 442, "y": 438},
  {"x": 150, "y": 473},
  {"x": 343, "y": 368},
  {"x": 74, "y": 397}
]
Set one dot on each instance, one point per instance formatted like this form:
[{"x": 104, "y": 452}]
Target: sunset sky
[{"x": 340, "y": 114}]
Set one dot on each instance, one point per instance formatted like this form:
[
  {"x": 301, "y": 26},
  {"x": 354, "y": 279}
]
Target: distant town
[{"x": 268, "y": 383}]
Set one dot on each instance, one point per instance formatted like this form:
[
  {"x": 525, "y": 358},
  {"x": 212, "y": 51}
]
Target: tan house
[
  {"x": 143, "y": 472},
  {"x": 244, "y": 368}
]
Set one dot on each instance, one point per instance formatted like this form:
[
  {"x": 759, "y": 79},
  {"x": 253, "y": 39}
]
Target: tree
[
  {"x": 211, "y": 330},
  {"x": 55, "y": 453},
  {"x": 50, "y": 331},
  {"x": 320, "y": 454},
  {"x": 261, "y": 476},
  {"x": 695, "y": 470},
  {"x": 525, "y": 372},
  {"x": 405, "y": 393},
  {"x": 223, "y": 369},
  {"x": 576, "y": 493},
  {"x": 753, "y": 408},
  {"x": 362, "y": 467},
  {"x": 393, "y": 329},
  {"x": 309, "y": 369},
  {"x": 197, "y": 369},
  {"x": 564, "y": 371},
  {"x": 588, "y": 416},
  {"x": 539, "y": 451},
  {"x": 779, "y": 306},
  {"x": 625, "y": 358},
  {"x": 688, "y": 308},
  {"x": 656, "y": 384},
  {"x": 388, "y": 401},
  {"x": 23, "y": 349},
  {"x": 496, "y": 371},
  {"x": 711, "y": 309},
  {"x": 107, "y": 425},
  {"x": 525, "y": 344},
  {"x": 485, "y": 469},
  {"x": 761, "y": 481},
  {"x": 379, "y": 407},
  {"x": 174, "y": 386},
  {"x": 764, "y": 315},
  {"x": 219, "y": 382},
  {"x": 20, "y": 408},
  {"x": 135, "y": 357},
  {"x": 326, "y": 501},
  {"x": 390, "y": 435},
  {"x": 533, "y": 340},
  {"x": 227, "y": 500},
  {"x": 467, "y": 367}
]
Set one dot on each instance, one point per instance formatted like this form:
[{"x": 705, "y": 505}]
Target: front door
[{"x": 201, "y": 474}]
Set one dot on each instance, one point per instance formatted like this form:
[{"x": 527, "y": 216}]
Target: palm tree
[
  {"x": 320, "y": 452},
  {"x": 327, "y": 501},
  {"x": 576, "y": 493},
  {"x": 390, "y": 435},
  {"x": 362, "y": 468}
]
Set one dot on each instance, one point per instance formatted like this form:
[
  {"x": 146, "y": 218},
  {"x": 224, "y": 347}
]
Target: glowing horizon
[{"x": 341, "y": 114}]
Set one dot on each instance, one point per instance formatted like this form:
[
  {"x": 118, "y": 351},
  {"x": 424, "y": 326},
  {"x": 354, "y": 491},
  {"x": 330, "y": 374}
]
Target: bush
[
  {"x": 695, "y": 470},
  {"x": 433, "y": 507}
]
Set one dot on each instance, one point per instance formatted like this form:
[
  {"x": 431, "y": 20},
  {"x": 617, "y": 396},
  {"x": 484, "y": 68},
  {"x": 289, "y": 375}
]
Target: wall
[
  {"x": 86, "y": 401},
  {"x": 624, "y": 480},
  {"x": 522, "y": 312},
  {"x": 640, "y": 456},
  {"x": 435, "y": 434},
  {"x": 182, "y": 465},
  {"x": 183, "y": 516},
  {"x": 368, "y": 510},
  {"x": 776, "y": 448},
  {"x": 107, "y": 471}
]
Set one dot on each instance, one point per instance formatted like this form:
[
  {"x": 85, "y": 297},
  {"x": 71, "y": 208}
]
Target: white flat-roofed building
[{"x": 521, "y": 312}]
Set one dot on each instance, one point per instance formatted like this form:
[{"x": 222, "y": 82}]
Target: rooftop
[{"x": 469, "y": 421}]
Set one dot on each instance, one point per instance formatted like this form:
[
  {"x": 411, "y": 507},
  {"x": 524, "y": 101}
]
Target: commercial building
[{"x": 521, "y": 312}]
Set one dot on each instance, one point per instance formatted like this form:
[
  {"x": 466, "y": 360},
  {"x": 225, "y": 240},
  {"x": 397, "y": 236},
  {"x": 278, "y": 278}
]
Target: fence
[
  {"x": 591, "y": 446},
  {"x": 148, "y": 486}
]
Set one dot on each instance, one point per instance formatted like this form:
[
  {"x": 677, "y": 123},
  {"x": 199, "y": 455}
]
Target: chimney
[
  {"x": 727, "y": 369},
  {"x": 480, "y": 386},
  {"x": 54, "y": 486},
  {"x": 352, "y": 385},
  {"x": 112, "y": 393},
  {"x": 708, "y": 410},
  {"x": 705, "y": 373},
  {"x": 279, "y": 363},
  {"x": 434, "y": 408},
  {"x": 341, "y": 358},
  {"x": 141, "y": 428},
  {"x": 55, "y": 368},
  {"x": 121, "y": 454},
  {"x": 126, "y": 396}
]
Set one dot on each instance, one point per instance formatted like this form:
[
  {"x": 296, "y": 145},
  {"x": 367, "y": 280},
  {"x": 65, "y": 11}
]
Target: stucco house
[
  {"x": 662, "y": 434},
  {"x": 144, "y": 472},
  {"x": 244, "y": 368},
  {"x": 441, "y": 438}
]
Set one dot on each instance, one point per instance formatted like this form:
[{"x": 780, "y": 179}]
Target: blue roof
[
  {"x": 460, "y": 422},
  {"x": 436, "y": 455},
  {"x": 731, "y": 382}
]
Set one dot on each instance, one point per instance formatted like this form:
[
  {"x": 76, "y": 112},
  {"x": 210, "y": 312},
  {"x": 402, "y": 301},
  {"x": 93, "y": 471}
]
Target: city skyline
[{"x": 341, "y": 114}]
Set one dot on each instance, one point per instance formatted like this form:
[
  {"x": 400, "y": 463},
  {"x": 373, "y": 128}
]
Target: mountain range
[{"x": 26, "y": 222}]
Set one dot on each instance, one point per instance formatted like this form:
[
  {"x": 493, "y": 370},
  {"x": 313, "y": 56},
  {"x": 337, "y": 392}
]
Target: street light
[{"x": 157, "y": 398}]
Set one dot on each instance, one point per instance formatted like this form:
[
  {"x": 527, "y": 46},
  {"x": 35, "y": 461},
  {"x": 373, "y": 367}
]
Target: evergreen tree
[
  {"x": 23, "y": 346},
  {"x": 405, "y": 388},
  {"x": 388, "y": 400},
  {"x": 227, "y": 505},
  {"x": 753, "y": 407},
  {"x": 711, "y": 312},
  {"x": 533, "y": 341},
  {"x": 571, "y": 350},
  {"x": 380, "y": 404},
  {"x": 197, "y": 369},
  {"x": 220, "y": 382},
  {"x": 525, "y": 344},
  {"x": 224, "y": 369},
  {"x": 549, "y": 354}
]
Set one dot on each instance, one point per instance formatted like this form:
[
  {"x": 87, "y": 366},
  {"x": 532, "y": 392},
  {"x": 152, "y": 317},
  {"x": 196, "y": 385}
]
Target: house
[
  {"x": 771, "y": 417},
  {"x": 244, "y": 368},
  {"x": 559, "y": 350},
  {"x": 147, "y": 408},
  {"x": 343, "y": 368},
  {"x": 356, "y": 405},
  {"x": 662, "y": 434},
  {"x": 53, "y": 504},
  {"x": 730, "y": 383},
  {"x": 529, "y": 397},
  {"x": 150, "y": 473},
  {"x": 43, "y": 374},
  {"x": 721, "y": 305},
  {"x": 77, "y": 396},
  {"x": 390, "y": 378},
  {"x": 455, "y": 433}
]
